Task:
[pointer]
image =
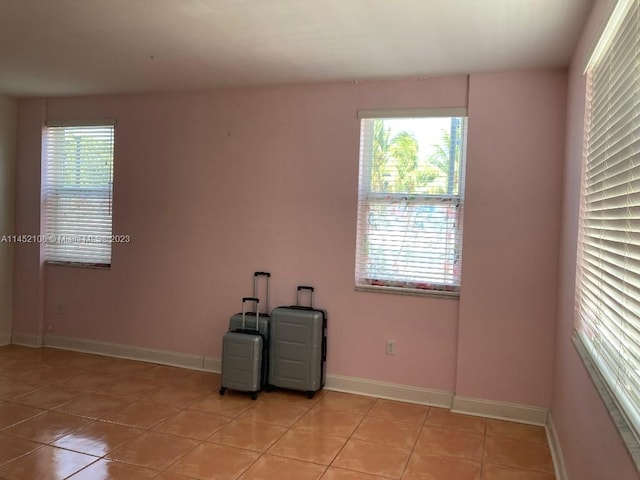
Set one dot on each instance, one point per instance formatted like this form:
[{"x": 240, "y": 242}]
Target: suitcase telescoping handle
[
  {"x": 256, "y": 277},
  {"x": 257, "y": 302},
  {"x": 305, "y": 287}
]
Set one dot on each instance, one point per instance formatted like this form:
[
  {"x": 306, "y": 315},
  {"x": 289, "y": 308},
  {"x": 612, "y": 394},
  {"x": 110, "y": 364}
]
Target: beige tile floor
[{"x": 88, "y": 417}]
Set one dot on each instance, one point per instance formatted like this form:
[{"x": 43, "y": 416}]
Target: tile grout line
[
  {"x": 83, "y": 468},
  {"x": 262, "y": 454},
  {"x": 289, "y": 429},
  {"x": 364, "y": 417},
  {"x": 163, "y": 382},
  {"x": 143, "y": 429},
  {"x": 201, "y": 442},
  {"x": 413, "y": 449},
  {"x": 484, "y": 442},
  {"x": 20, "y": 456},
  {"x": 352, "y": 433},
  {"x": 278, "y": 438}
]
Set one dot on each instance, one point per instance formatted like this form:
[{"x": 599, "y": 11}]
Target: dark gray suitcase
[
  {"x": 298, "y": 347},
  {"x": 242, "y": 351},
  {"x": 236, "y": 321}
]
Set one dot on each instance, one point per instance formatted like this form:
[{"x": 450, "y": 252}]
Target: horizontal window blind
[
  {"x": 410, "y": 203},
  {"x": 608, "y": 281},
  {"x": 77, "y": 193}
]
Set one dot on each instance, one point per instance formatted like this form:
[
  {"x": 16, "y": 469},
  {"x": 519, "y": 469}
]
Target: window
[
  {"x": 608, "y": 274},
  {"x": 77, "y": 193},
  {"x": 410, "y": 199}
]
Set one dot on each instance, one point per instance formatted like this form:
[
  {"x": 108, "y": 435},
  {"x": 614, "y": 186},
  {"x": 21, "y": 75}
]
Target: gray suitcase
[
  {"x": 242, "y": 357},
  {"x": 236, "y": 321},
  {"x": 298, "y": 347}
]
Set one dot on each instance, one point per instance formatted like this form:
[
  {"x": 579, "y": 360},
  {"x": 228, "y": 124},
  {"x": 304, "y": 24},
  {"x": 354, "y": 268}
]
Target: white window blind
[
  {"x": 77, "y": 193},
  {"x": 410, "y": 201},
  {"x": 608, "y": 275}
]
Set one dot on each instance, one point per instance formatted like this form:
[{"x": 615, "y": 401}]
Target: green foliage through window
[
  {"x": 399, "y": 167},
  {"x": 410, "y": 203}
]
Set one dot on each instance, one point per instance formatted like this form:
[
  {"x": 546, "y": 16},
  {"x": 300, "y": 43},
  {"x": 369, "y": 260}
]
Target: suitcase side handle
[
  {"x": 256, "y": 278},
  {"x": 305, "y": 287},
  {"x": 257, "y": 302}
]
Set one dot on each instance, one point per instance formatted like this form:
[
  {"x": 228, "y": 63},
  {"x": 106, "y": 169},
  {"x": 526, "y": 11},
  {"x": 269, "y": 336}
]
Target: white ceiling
[{"x": 72, "y": 47}]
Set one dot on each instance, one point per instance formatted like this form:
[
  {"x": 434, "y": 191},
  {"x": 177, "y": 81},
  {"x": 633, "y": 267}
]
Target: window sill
[
  {"x": 94, "y": 266},
  {"x": 622, "y": 425},
  {"x": 408, "y": 292}
]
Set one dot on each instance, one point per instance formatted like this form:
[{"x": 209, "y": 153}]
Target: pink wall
[
  {"x": 591, "y": 446},
  {"x": 212, "y": 186},
  {"x": 28, "y": 272},
  {"x": 8, "y": 119},
  {"x": 508, "y": 293}
]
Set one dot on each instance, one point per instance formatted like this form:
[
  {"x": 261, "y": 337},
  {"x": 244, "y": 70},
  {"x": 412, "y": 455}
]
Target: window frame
[
  {"x": 52, "y": 190},
  {"x": 368, "y": 197},
  {"x": 619, "y": 408}
]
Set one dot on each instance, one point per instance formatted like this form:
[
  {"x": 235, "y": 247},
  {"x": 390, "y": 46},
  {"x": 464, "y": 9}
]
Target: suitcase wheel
[
  {"x": 254, "y": 395},
  {"x": 310, "y": 394},
  {"x": 268, "y": 388},
  {"x": 222, "y": 390}
]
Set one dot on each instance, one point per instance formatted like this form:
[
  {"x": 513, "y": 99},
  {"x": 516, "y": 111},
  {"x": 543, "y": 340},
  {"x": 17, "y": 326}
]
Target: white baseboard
[
  {"x": 212, "y": 364},
  {"x": 370, "y": 388},
  {"x": 500, "y": 410},
  {"x": 26, "y": 339},
  {"x": 5, "y": 338},
  {"x": 338, "y": 383},
  {"x": 556, "y": 450},
  {"x": 390, "y": 391},
  {"x": 130, "y": 352}
]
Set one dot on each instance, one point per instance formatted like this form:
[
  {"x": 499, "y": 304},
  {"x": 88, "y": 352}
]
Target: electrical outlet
[{"x": 391, "y": 347}]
